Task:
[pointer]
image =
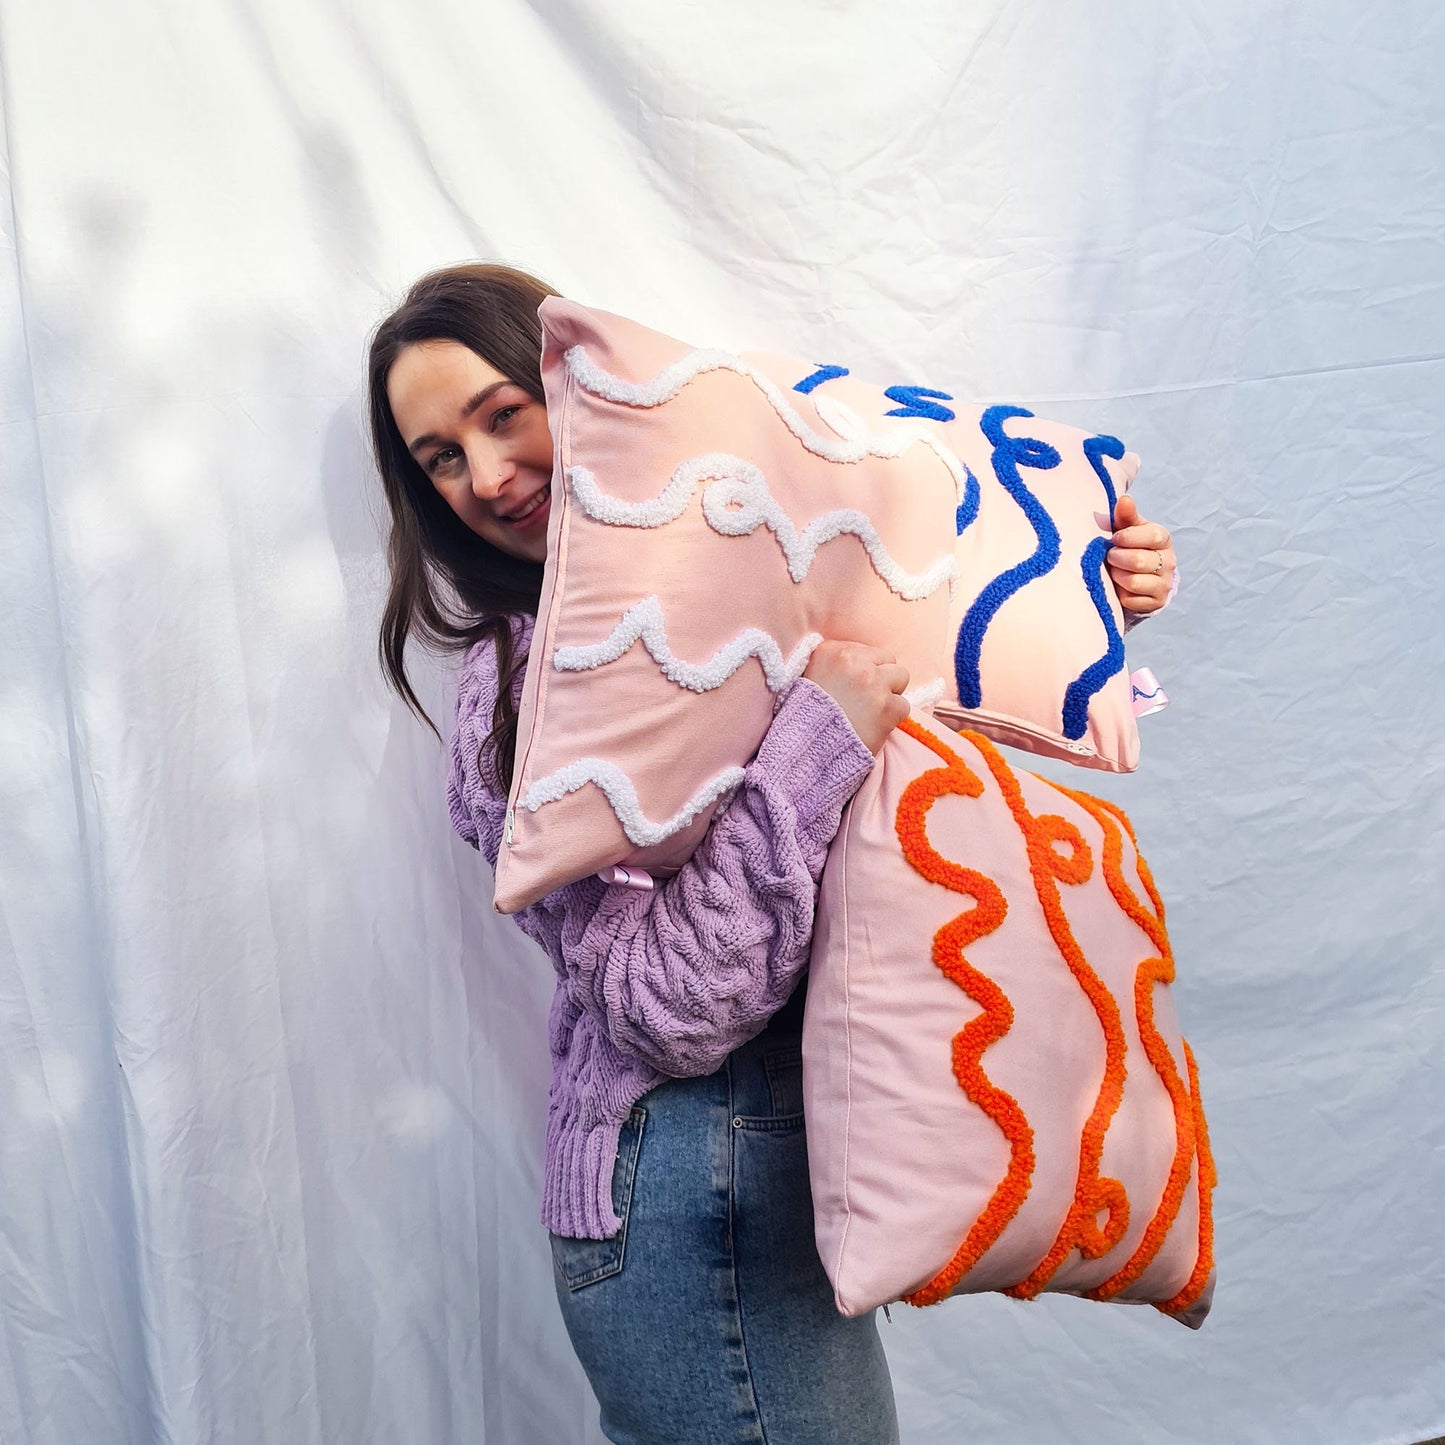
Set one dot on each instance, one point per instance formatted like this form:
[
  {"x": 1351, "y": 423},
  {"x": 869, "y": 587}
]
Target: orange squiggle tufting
[
  {"x": 1155, "y": 970},
  {"x": 987, "y": 914},
  {"x": 1204, "y": 1264},
  {"x": 1093, "y": 1194}
]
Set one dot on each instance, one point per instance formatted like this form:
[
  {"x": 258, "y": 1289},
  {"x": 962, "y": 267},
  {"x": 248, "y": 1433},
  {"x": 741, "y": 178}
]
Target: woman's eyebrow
[
  {"x": 481, "y": 397},
  {"x": 428, "y": 439}
]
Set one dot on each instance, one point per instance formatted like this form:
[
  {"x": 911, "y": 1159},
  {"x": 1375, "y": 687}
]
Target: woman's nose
[{"x": 490, "y": 473}]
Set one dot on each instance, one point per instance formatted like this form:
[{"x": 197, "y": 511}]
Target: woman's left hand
[{"x": 1141, "y": 561}]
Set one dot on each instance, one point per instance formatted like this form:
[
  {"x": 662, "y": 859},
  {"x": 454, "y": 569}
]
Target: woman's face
[{"x": 481, "y": 439}]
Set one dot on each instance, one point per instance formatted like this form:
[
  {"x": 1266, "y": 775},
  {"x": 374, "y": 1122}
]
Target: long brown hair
[{"x": 449, "y": 587}]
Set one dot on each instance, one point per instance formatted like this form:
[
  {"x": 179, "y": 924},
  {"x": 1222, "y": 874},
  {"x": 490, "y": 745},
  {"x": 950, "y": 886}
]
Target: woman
[{"x": 676, "y": 1192}]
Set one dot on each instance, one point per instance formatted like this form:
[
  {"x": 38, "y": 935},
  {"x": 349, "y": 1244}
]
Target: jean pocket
[
  {"x": 580, "y": 1262},
  {"x": 783, "y": 1067}
]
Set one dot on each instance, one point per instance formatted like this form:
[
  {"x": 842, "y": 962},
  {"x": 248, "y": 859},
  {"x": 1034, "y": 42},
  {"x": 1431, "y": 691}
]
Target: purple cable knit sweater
[{"x": 667, "y": 982}]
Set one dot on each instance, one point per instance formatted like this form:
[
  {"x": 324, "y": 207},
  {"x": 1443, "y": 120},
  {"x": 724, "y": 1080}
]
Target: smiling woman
[
  {"x": 481, "y": 439},
  {"x": 675, "y": 1030},
  {"x": 676, "y": 1192},
  {"x": 463, "y": 351}
]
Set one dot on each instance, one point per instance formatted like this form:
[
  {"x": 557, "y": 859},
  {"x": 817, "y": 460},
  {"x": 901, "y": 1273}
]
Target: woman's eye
[
  {"x": 503, "y": 415},
  {"x": 442, "y": 460}
]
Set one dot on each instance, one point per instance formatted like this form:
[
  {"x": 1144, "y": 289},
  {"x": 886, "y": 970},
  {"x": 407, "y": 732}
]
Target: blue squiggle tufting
[
  {"x": 1096, "y": 448},
  {"x": 1093, "y": 677},
  {"x": 968, "y": 507},
  {"x": 823, "y": 373},
  {"x": 911, "y": 402},
  {"x": 1009, "y": 453},
  {"x": 1145, "y": 695}
]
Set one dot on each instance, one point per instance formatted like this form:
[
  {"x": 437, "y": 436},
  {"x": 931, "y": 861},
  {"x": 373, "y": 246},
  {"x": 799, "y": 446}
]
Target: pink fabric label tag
[
  {"x": 626, "y": 877},
  {"x": 1146, "y": 693}
]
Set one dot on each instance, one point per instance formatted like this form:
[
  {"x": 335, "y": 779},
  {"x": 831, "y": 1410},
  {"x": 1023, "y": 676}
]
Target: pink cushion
[
  {"x": 997, "y": 1092},
  {"x": 1035, "y": 632},
  {"x": 712, "y": 528},
  {"x": 1036, "y": 628},
  {"x": 716, "y": 516}
]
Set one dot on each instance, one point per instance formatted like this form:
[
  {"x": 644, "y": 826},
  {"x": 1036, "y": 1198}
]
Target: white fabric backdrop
[{"x": 271, "y": 1073}]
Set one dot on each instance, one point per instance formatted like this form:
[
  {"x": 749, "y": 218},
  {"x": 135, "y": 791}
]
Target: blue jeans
[{"x": 707, "y": 1319}]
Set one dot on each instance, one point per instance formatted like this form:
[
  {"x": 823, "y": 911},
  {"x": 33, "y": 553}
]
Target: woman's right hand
[{"x": 866, "y": 682}]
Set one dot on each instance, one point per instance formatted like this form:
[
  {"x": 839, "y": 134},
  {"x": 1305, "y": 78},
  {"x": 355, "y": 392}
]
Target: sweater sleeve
[{"x": 681, "y": 974}]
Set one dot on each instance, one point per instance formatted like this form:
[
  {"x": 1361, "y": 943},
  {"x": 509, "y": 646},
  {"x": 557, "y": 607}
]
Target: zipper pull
[{"x": 507, "y": 831}]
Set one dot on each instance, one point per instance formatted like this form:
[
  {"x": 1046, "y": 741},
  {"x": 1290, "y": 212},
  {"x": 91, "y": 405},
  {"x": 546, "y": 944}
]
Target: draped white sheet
[{"x": 272, "y": 1076}]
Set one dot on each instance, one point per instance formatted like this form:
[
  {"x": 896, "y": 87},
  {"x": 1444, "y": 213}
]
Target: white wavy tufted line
[
  {"x": 641, "y": 831},
  {"x": 667, "y": 506},
  {"x": 739, "y": 502},
  {"x": 662, "y": 388},
  {"x": 646, "y": 621},
  {"x": 854, "y": 440},
  {"x": 849, "y": 425},
  {"x": 920, "y": 699}
]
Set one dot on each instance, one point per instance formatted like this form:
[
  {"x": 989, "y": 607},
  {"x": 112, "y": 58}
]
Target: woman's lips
[{"x": 536, "y": 510}]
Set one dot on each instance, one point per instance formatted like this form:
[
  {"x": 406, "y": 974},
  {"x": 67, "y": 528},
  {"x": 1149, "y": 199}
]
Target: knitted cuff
[{"x": 813, "y": 752}]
